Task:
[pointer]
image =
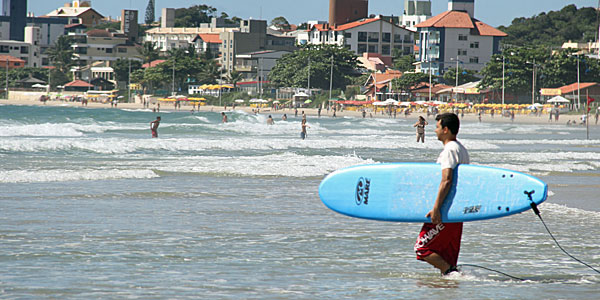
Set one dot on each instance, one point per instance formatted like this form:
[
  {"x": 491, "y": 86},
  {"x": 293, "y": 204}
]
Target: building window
[
  {"x": 474, "y": 60},
  {"x": 4, "y": 49},
  {"x": 385, "y": 49},
  {"x": 475, "y": 45},
  {"x": 373, "y": 37},
  {"x": 24, "y": 50},
  {"x": 373, "y": 49},
  {"x": 462, "y": 52},
  {"x": 408, "y": 37},
  {"x": 348, "y": 35},
  {"x": 463, "y": 37},
  {"x": 398, "y": 38},
  {"x": 122, "y": 50},
  {"x": 362, "y": 36},
  {"x": 386, "y": 37},
  {"x": 109, "y": 50},
  {"x": 362, "y": 48}
]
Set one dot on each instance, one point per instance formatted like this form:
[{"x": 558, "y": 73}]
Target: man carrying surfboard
[{"x": 439, "y": 243}]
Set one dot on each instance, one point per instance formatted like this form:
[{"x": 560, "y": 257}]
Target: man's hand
[{"x": 435, "y": 215}]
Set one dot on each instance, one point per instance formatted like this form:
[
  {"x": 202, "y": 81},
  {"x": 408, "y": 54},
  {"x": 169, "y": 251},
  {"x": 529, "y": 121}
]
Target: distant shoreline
[{"x": 468, "y": 117}]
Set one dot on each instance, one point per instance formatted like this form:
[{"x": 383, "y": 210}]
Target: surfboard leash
[
  {"x": 537, "y": 212},
  {"x": 492, "y": 270}
]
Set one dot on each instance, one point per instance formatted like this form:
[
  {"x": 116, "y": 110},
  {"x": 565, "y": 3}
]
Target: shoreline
[{"x": 468, "y": 117}]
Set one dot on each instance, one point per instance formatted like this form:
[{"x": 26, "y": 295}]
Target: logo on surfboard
[{"x": 362, "y": 191}]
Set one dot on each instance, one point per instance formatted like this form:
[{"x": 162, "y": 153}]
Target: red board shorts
[
  {"x": 443, "y": 239},
  {"x": 154, "y": 133}
]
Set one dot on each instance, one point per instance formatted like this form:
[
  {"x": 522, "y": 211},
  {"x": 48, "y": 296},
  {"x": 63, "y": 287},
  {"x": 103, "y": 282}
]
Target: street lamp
[
  {"x": 533, "y": 79},
  {"x": 456, "y": 78}
]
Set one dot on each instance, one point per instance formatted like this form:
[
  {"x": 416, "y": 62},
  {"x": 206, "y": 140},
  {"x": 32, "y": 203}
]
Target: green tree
[
  {"x": 464, "y": 76},
  {"x": 281, "y": 23},
  {"x": 518, "y": 74},
  {"x": 61, "y": 54},
  {"x": 148, "y": 52},
  {"x": 121, "y": 68},
  {"x": 403, "y": 62},
  {"x": 409, "y": 80},
  {"x": 553, "y": 28},
  {"x": 194, "y": 16},
  {"x": 292, "y": 70},
  {"x": 149, "y": 19},
  {"x": 234, "y": 77}
]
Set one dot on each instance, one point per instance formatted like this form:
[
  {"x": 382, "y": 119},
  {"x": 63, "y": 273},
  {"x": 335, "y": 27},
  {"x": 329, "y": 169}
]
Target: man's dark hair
[{"x": 449, "y": 120}]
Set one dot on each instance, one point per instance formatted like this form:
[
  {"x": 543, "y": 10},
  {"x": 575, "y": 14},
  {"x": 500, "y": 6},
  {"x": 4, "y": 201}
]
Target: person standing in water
[
  {"x": 154, "y": 127},
  {"x": 439, "y": 243},
  {"x": 224, "y": 117},
  {"x": 303, "y": 132},
  {"x": 421, "y": 123}
]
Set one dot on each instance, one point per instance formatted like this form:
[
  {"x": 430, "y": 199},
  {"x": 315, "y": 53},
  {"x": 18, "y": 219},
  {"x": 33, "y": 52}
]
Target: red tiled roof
[
  {"x": 487, "y": 30},
  {"x": 210, "y": 38},
  {"x": 355, "y": 24},
  {"x": 327, "y": 27},
  {"x": 434, "y": 88},
  {"x": 459, "y": 19},
  {"x": 573, "y": 87},
  {"x": 99, "y": 33},
  {"x": 153, "y": 63},
  {"x": 75, "y": 25},
  {"x": 5, "y": 57},
  {"x": 78, "y": 83}
]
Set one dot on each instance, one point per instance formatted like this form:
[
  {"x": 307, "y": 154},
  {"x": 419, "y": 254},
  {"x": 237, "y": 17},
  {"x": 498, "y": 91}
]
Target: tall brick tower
[{"x": 344, "y": 11}]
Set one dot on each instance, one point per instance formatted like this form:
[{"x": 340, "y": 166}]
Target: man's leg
[{"x": 437, "y": 261}]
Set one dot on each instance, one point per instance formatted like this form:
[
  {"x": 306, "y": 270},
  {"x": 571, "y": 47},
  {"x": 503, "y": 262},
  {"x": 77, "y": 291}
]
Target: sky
[{"x": 492, "y": 12}]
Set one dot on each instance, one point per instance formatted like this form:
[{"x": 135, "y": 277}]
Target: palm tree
[
  {"x": 234, "y": 77},
  {"x": 61, "y": 54}
]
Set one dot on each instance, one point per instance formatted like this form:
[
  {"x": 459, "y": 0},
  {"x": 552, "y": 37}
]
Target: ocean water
[{"x": 92, "y": 207}]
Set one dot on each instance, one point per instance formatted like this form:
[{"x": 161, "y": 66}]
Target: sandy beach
[{"x": 469, "y": 117}]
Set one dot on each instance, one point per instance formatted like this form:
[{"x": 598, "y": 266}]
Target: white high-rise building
[{"x": 415, "y": 12}]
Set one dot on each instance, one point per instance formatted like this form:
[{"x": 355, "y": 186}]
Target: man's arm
[{"x": 445, "y": 185}]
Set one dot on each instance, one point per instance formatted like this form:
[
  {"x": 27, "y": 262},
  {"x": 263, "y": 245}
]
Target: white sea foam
[
  {"x": 546, "y": 142},
  {"x": 285, "y": 164},
  {"x": 574, "y": 213},
  {"x": 22, "y": 176},
  {"x": 123, "y": 145},
  {"x": 62, "y": 129}
]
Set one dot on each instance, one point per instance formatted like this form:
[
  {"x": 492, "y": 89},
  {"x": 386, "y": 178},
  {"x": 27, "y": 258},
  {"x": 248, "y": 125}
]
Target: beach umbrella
[
  {"x": 308, "y": 101},
  {"x": 238, "y": 100},
  {"x": 276, "y": 102},
  {"x": 558, "y": 99},
  {"x": 380, "y": 103}
]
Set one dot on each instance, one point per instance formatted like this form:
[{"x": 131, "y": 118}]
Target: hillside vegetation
[{"x": 553, "y": 28}]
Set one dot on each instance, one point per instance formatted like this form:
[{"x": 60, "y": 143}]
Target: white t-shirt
[{"x": 454, "y": 153}]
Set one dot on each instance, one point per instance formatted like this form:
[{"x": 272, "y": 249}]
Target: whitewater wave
[
  {"x": 285, "y": 164},
  {"x": 23, "y": 176},
  {"x": 62, "y": 129},
  {"x": 124, "y": 145}
]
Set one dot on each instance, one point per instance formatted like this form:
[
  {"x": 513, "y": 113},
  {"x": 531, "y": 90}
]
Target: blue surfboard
[{"x": 406, "y": 192}]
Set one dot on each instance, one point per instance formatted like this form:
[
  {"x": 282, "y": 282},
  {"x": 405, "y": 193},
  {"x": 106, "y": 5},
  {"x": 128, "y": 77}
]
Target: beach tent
[{"x": 559, "y": 99}]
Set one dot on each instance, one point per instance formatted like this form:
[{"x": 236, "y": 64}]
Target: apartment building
[
  {"x": 372, "y": 35},
  {"x": 251, "y": 37},
  {"x": 456, "y": 35},
  {"x": 102, "y": 45}
]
